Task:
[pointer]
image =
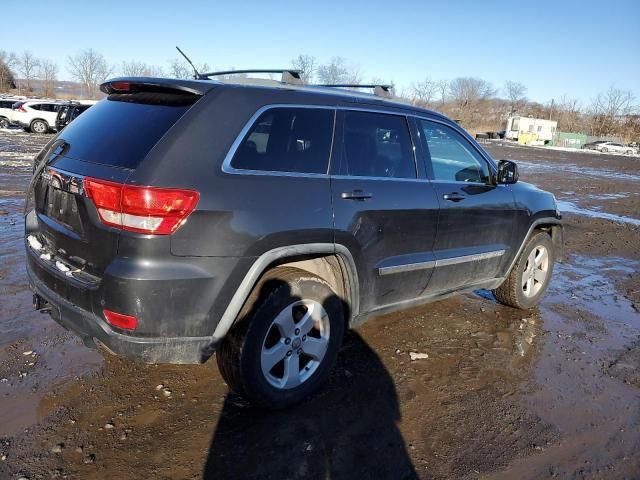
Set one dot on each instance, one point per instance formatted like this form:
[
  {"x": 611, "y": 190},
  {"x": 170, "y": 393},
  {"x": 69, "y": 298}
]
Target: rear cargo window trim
[{"x": 228, "y": 168}]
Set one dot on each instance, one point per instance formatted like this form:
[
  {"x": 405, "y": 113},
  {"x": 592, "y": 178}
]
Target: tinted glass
[
  {"x": 288, "y": 140},
  {"x": 62, "y": 114},
  {"x": 452, "y": 157},
  {"x": 119, "y": 133},
  {"x": 35, "y": 106},
  {"x": 376, "y": 145}
]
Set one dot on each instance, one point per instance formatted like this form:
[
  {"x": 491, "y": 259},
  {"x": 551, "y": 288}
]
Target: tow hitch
[{"x": 40, "y": 304}]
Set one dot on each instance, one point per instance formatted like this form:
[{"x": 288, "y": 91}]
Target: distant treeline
[{"x": 476, "y": 103}]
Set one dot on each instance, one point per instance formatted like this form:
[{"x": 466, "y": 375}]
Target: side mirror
[{"x": 507, "y": 172}]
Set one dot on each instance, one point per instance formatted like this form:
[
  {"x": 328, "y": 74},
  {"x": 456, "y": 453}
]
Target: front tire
[
  {"x": 530, "y": 275},
  {"x": 4, "y": 123},
  {"x": 286, "y": 339}
]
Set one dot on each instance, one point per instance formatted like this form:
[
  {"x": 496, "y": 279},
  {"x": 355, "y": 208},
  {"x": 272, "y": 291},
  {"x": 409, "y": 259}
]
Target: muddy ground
[{"x": 549, "y": 393}]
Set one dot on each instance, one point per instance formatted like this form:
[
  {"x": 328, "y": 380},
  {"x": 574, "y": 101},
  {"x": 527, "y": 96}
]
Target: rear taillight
[
  {"x": 120, "y": 320},
  {"x": 152, "y": 210}
]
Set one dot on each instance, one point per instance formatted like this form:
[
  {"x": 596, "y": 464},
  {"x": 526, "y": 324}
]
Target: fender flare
[
  {"x": 261, "y": 265},
  {"x": 558, "y": 238}
]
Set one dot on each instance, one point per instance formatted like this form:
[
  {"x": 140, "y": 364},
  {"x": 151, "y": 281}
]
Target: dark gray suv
[{"x": 178, "y": 218}]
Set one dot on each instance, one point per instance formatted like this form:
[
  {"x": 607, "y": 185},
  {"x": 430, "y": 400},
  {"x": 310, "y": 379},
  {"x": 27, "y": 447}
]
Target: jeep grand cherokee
[{"x": 178, "y": 218}]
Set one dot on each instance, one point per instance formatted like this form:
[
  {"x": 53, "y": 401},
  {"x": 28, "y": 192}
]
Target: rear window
[
  {"x": 119, "y": 133},
  {"x": 288, "y": 140}
]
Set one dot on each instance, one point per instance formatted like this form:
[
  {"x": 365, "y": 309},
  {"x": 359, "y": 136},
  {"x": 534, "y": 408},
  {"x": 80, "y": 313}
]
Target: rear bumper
[{"x": 92, "y": 328}]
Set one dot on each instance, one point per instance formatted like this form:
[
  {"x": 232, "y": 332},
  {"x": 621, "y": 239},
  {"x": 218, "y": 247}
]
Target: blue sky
[{"x": 554, "y": 48}]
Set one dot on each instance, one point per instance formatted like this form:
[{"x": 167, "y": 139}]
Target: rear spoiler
[{"x": 156, "y": 85}]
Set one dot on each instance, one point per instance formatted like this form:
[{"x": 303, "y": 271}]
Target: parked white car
[
  {"x": 614, "y": 148},
  {"x": 38, "y": 116},
  {"x": 6, "y": 111}
]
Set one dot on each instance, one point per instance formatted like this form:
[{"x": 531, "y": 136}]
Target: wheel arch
[
  {"x": 332, "y": 262},
  {"x": 554, "y": 227}
]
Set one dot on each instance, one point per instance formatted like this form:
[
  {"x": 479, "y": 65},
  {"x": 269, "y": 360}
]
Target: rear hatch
[{"x": 74, "y": 232}]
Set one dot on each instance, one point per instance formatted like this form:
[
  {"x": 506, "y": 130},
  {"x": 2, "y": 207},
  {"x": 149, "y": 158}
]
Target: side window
[
  {"x": 376, "y": 145},
  {"x": 36, "y": 106},
  {"x": 452, "y": 157},
  {"x": 288, "y": 140}
]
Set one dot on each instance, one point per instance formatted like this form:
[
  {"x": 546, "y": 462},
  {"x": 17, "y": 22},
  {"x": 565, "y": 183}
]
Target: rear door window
[
  {"x": 288, "y": 140},
  {"x": 120, "y": 133},
  {"x": 376, "y": 145}
]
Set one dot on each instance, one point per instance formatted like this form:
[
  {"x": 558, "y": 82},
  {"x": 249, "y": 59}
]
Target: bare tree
[
  {"x": 469, "y": 95},
  {"x": 569, "y": 114},
  {"x": 423, "y": 92},
  {"x": 307, "y": 65},
  {"x": 443, "y": 89},
  {"x": 180, "y": 68},
  {"x": 48, "y": 75},
  {"x": 27, "y": 66},
  {"x": 136, "y": 68},
  {"x": 89, "y": 68},
  {"x": 8, "y": 62},
  {"x": 337, "y": 71},
  {"x": 516, "y": 94},
  {"x": 608, "y": 110}
]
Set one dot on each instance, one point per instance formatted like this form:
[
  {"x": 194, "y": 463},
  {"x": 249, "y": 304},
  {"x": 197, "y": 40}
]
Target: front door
[
  {"x": 477, "y": 217},
  {"x": 385, "y": 209}
]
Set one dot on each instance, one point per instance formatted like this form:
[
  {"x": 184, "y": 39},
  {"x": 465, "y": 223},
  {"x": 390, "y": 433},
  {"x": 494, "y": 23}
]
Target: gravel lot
[{"x": 554, "y": 392}]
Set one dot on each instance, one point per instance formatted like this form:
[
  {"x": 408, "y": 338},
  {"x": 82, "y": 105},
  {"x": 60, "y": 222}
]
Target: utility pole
[{"x": 551, "y": 109}]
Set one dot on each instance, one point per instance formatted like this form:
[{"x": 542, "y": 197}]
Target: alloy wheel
[
  {"x": 295, "y": 344},
  {"x": 535, "y": 271}
]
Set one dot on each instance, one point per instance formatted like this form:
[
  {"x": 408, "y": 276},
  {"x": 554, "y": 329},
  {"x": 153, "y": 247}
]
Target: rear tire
[
  {"x": 530, "y": 275},
  {"x": 285, "y": 341},
  {"x": 39, "y": 126}
]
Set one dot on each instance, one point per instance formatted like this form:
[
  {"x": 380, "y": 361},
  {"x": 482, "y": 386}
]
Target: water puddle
[
  {"x": 586, "y": 321},
  {"x": 576, "y": 169},
  {"x": 57, "y": 357},
  {"x": 566, "y": 206}
]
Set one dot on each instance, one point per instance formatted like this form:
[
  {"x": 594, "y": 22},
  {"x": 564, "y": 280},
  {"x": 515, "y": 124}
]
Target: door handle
[
  {"x": 453, "y": 197},
  {"x": 356, "y": 195}
]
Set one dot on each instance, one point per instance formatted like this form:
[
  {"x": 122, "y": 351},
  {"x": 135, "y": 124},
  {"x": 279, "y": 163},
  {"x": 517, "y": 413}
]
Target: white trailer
[{"x": 545, "y": 129}]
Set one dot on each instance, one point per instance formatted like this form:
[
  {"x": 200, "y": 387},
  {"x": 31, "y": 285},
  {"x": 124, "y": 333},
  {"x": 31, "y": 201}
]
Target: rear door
[
  {"x": 476, "y": 221},
  {"x": 385, "y": 210}
]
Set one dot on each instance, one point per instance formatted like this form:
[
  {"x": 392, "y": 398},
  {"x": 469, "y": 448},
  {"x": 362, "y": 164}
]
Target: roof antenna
[{"x": 197, "y": 75}]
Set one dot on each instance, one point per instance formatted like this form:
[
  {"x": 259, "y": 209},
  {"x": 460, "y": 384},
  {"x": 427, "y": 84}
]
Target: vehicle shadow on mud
[{"x": 347, "y": 430}]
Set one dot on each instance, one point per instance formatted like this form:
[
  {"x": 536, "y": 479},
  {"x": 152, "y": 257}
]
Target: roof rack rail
[
  {"x": 378, "y": 90},
  {"x": 290, "y": 76}
]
